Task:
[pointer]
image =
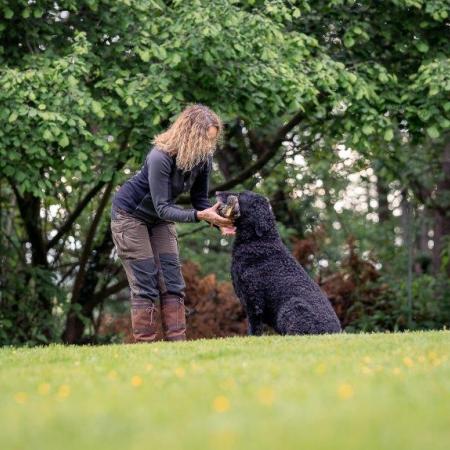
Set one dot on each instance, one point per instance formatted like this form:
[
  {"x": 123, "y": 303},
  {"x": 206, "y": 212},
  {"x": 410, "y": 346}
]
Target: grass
[{"x": 378, "y": 391}]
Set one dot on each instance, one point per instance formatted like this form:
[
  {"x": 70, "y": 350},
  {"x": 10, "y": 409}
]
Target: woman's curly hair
[{"x": 187, "y": 137}]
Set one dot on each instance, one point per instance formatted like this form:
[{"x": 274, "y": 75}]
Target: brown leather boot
[
  {"x": 173, "y": 317},
  {"x": 144, "y": 320}
]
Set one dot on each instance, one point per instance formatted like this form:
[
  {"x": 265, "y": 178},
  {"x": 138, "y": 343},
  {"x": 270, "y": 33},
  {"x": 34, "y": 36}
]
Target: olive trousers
[{"x": 150, "y": 257}]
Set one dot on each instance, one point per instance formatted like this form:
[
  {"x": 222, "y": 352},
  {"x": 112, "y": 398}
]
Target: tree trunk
[
  {"x": 383, "y": 205},
  {"x": 97, "y": 265},
  {"x": 442, "y": 216},
  {"x": 29, "y": 208},
  {"x": 423, "y": 260}
]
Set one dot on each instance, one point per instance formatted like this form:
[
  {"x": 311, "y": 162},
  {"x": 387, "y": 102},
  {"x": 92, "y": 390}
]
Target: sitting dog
[{"x": 271, "y": 285}]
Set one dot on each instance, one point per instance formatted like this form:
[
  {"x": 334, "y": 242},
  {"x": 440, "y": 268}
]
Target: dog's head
[{"x": 250, "y": 212}]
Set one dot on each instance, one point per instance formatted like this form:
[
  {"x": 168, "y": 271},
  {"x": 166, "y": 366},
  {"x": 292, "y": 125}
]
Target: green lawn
[{"x": 329, "y": 392}]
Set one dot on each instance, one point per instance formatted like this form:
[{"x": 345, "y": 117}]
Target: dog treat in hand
[{"x": 230, "y": 209}]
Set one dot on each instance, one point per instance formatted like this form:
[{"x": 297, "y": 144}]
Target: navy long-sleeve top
[{"x": 150, "y": 194}]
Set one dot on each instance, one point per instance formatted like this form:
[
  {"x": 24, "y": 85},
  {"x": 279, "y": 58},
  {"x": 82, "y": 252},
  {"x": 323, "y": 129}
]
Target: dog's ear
[
  {"x": 261, "y": 228},
  {"x": 262, "y": 217}
]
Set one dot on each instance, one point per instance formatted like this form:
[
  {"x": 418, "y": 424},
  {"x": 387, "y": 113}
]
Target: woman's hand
[{"x": 211, "y": 216}]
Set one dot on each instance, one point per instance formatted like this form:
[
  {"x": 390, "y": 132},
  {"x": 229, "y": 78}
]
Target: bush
[
  {"x": 430, "y": 307},
  {"x": 28, "y": 300}
]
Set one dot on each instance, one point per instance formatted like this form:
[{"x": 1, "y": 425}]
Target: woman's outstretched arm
[{"x": 159, "y": 169}]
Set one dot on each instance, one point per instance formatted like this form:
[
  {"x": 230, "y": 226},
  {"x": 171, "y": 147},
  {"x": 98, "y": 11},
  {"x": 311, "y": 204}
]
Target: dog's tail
[{"x": 313, "y": 315}]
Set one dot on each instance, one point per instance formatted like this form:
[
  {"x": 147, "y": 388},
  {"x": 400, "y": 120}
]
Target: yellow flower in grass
[
  {"x": 221, "y": 404},
  {"x": 228, "y": 384},
  {"x": 367, "y": 359},
  {"x": 223, "y": 439},
  {"x": 345, "y": 391},
  {"x": 180, "y": 372},
  {"x": 435, "y": 359},
  {"x": 136, "y": 381},
  {"x": 149, "y": 367},
  {"x": 112, "y": 375},
  {"x": 321, "y": 369},
  {"x": 44, "y": 388},
  {"x": 439, "y": 361},
  {"x": 266, "y": 396},
  {"x": 21, "y": 397},
  {"x": 63, "y": 391},
  {"x": 396, "y": 371},
  {"x": 408, "y": 362}
]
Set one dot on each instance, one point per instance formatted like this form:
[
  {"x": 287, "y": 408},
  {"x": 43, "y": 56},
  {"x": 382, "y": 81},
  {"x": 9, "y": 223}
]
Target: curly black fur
[{"x": 272, "y": 286}]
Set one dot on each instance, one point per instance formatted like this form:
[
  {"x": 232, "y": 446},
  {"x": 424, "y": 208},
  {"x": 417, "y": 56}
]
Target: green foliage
[
  {"x": 430, "y": 307},
  {"x": 23, "y": 316},
  {"x": 86, "y": 84},
  {"x": 45, "y": 112}
]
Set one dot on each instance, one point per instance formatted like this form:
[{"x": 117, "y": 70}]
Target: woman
[{"x": 143, "y": 214}]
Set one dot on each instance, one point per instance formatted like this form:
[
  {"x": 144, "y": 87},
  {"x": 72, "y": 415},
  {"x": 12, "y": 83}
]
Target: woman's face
[{"x": 212, "y": 133}]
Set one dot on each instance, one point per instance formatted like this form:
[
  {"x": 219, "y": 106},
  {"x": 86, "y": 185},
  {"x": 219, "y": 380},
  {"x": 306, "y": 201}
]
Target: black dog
[{"x": 271, "y": 285}]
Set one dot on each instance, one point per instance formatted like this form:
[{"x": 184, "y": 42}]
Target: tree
[{"x": 85, "y": 84}]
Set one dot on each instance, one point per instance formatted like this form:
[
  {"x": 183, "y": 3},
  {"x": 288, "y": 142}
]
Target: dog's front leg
[
  {"x": 255, "y": 324},
  {"x": 255, "y": 328}
]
